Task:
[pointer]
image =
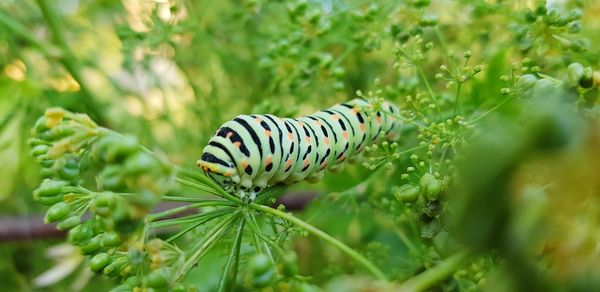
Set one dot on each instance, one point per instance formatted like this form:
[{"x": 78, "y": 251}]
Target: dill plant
[{"x": 493, "y": 103}]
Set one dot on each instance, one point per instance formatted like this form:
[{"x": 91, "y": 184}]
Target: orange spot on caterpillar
[
  {"x": 229, "y": 134},
  {"x": 288, "y": 163},
  {"x": 324, "y": 164},
  {"x": 307, "y": 139},
  {"x": 346, "y": 135},
  {"x": 290, "y": 136},
  {"x": 306, "y": 162},
  {"x": 334, "y": 117},
  {"x": 355, "y": 111},
  {"x": 326, "y": 141},
  {"x": 227, "y": 174},
  {"x": 378, "y": 120},
  {"x": 267, "y": 133},
  {"x": 318, "y": 123},
  {"x": 258, "y": 120},
  {"x": 363, "y": 127},
  {"x": 342, "y": 158},
  {"x": 269, "y": 160}
]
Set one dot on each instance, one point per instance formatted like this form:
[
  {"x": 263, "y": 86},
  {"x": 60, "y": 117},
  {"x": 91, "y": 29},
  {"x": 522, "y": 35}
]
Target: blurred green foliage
[{"x": 493, "y": 184}]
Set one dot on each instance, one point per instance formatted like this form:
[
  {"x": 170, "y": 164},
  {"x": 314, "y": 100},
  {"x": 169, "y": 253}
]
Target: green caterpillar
[{"x": 251, "y": 152}]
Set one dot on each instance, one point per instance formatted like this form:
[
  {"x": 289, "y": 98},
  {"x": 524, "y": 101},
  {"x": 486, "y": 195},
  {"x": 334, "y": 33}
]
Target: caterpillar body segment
[{"x": 251, "y": 152}]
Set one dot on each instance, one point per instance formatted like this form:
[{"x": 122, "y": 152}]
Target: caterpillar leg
[{"x": 247, "y": 197}]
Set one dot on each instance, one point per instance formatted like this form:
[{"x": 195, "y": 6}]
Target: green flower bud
[
  {"x": 407, "y": 193},
  {"x": 57, "y": 212},
  {"x": 99, "y": 261},
  {"x": 69, "y": 223}
]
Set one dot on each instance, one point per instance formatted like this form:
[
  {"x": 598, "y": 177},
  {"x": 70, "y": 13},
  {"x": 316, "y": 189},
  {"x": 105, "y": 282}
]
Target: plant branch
[
  {"x": 234, "y": 258},
  {"x": 313, "y": 230},
  {"x": 212, "y": 236},
  {"x": 428, "y": 278}
]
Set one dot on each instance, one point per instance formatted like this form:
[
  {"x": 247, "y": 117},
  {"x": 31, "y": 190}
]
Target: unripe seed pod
[
  {"x": 114, "y": 268},
  {"x": 407, "y": 193},
  {"x": 260, "y": 264},
  {"x": 425, "y": 180},
  {"x": 575, "y": 72},
  {"x": 133, "y": 281},
  {"x": 57, "y": 212},
  {"x": 140, "y": 163},
  {"x": 157, "y": 278},
  {"x": 92, "y": 246},
  {"x": 49, "y": 200},
  {"x": 40, "y": 125},
  {"x": 111, "y": 177},
  {"x": 68, "y": 172},
  {"x": 290, "y": 265},
  {"x": 110, "y": 239},
  {"x": 526, "y": 82},
  {"x": 99, "y": 261},
  {"x": 50, "y": 188},
  {"x": 264, "y": 280},
  {"x": 39, "y": 150},
  {"x": 433, "y": 189},
  {"x": 544, "y": 88},
  {"x": 69, "y": 223},
  {"x": 587, "y": 81},
  {"x": 105, "y": 199}
]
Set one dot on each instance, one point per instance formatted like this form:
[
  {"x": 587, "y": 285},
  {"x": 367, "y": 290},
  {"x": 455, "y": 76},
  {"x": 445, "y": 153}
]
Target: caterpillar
[{"x": 251, "y": 152}]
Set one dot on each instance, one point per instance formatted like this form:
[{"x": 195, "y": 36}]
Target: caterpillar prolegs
[{"x": 251, "y": 152}]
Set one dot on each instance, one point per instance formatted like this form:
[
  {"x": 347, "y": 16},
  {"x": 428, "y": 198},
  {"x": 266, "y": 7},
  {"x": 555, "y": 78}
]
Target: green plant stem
[
  {"x": 425, "y": 280},
  {"x": 429, "y": 90},
  {"x": 204, "y": 217},
  {"x": 233, "y": 260},
  {"x": 506, "y": 100},
  {"x": 47, "y": 49},
  {"x": 457, "y": 99},
  {"x": 166, "y": 213},
  {"x": 68, "y": 59},
  {"x": 313, "y": 230},
  {"x": 212, "y": 236},
  {"x": 213, "y": 187}
]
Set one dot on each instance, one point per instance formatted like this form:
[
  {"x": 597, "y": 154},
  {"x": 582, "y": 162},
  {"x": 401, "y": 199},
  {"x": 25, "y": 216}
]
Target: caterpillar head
[{"x": 219, "y": 169}]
